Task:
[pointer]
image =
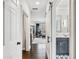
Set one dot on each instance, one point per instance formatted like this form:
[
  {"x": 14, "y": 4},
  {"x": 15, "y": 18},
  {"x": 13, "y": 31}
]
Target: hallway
[
  {"x": 42, "y": 29},
  {"x": 38, "y": 52}
]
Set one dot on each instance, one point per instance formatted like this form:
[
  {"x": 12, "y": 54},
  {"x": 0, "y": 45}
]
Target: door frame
[
  {"x": 24, "y": 14},
  {"x": 72, "y": 12},
  {"x": 72, "y": 34}
]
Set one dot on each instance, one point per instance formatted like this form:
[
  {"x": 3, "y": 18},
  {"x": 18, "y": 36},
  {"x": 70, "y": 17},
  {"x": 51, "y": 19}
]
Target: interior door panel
[{"x": 11, "y": 50}]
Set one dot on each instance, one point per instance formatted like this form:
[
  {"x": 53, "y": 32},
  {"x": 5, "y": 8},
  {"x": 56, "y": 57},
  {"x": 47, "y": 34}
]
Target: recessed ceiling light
[{"x": 37, "y": 3}]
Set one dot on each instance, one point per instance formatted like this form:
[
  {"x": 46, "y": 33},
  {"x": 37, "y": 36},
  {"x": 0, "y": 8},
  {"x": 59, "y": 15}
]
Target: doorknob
[
  {"x": 18, "y": 43},
  {"x": 48, "y": 39}
]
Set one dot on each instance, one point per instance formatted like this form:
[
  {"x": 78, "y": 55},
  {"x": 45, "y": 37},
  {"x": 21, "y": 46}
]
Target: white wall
[
  {"x": 25, "y": 18},
  {"x": 72, "y": 30},
  {"x": 26, "y": 9}
]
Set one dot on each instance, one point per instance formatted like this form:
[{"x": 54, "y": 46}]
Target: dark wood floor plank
[{"x": 38, "y": 52}]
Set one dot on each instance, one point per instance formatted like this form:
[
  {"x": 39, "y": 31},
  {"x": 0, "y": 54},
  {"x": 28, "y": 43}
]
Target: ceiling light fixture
[{"x": 37, "y": 3}]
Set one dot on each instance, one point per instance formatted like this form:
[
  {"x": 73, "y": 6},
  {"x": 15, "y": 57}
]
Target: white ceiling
[
  {"x": 63, "y": 7},
  {"x": 40, "y": 13},
  {"x": 41, "y": 6},
  {"x": 63, "y": 4}
]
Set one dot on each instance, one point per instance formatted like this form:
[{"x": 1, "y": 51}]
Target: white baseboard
[
  {"x": 23, "y": 49},
  {"x": 26, "y": 49}
]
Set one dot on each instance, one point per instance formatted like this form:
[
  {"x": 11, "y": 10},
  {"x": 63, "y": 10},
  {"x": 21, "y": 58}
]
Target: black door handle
[
  {"x": 48, "y": 38},
  {"x": 18, "y": 43}
]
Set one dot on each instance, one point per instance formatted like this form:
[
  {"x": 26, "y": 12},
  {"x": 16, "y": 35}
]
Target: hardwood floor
[
  {"x": 38, "y": 52},
  {"x": 26, "y": 55}
]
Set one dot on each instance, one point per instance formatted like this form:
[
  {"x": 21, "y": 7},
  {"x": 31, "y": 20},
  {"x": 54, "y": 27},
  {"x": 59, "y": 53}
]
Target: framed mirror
[
  {"x": 58, "y": 23},
  {"x": 65, "y": 24}
]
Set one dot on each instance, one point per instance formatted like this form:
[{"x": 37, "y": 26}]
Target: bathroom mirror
[
  {"x": 62, "y": 20},
  {"x": 58, "y": 23},
  {"x": 65, "y": 24}
]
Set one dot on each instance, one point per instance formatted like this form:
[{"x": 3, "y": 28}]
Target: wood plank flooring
[
  {"x": 26, "y": 55},
  {"x": 38, "y": 52}
]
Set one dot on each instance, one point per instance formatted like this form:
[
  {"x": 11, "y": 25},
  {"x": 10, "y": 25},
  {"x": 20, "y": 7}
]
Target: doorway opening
[
  {"x": 25, "y": 52},
  {"x": 38, "y": 41}
]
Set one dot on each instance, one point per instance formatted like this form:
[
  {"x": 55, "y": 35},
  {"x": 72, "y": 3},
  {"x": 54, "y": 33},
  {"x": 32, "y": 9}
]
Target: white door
[
  {"x": 48, "y": 34},
  {"x": 12, "y": 40}
]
